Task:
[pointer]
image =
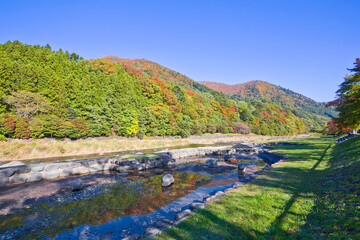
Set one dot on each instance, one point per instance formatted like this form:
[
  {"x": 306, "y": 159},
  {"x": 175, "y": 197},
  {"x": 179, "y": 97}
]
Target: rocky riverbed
[{"x": 116, "y": 204}]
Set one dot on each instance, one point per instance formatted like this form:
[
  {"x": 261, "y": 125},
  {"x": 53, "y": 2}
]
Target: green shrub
[{"x": 2, "y": 138}]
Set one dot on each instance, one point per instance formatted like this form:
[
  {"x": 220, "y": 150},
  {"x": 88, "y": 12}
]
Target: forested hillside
[
  {"x": 47, "y": 93},
  {"x": 152, "y": 69},
  {"x": 312, "y": 113},
  {"x": 309, "y": 110}
]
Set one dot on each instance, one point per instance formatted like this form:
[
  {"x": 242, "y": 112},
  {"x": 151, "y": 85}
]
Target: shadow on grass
[
  {"x": 336, "y": 214},
  {"x": 296, "y": 192},
  {"x": 299, "y": 184}
]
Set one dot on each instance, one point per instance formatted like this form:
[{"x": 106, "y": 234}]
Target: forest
[{"x": 49, "y": 93}]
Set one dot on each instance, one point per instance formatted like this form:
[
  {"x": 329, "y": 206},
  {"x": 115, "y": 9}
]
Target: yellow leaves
[
  {"x": 158, "y": 109},
  {"x": 102, "y": 65},
  {"x": 133, "y": 129}
]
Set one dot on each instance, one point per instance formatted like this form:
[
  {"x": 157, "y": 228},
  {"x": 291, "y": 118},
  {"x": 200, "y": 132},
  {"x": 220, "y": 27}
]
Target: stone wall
[
  {"x": 193, "y": 152},
  {"x": 38, "y": 172}
]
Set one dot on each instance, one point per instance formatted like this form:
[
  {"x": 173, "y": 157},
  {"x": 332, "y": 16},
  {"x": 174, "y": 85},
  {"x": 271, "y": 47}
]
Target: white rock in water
[
  {"x": 167, "y": 180},
  {"x": 77, "y": 185}
]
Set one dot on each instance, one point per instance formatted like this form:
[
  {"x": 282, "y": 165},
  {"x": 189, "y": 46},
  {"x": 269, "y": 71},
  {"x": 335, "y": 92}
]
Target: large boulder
[
  {"x": 138, "y": 167},
  {"x": 4, "y": 181},
  {"x": 212, "y": 163},
  {"x": 51, "y": 167},
  {"x": 34, "y": 177},
  {"x": 151, "y": 231},
  {"x": 244, "y": 145},
  {"x": 52, "y": 174},
  {"x": 228, "y": 157},
  {"x": 164, "y": 224},
  {"x": 183, "y": 214},
  {"x": 242, "y": 168},
  {"x": 66, "y": 172},
  {"x": 196, "y": 205},
  {"x": 77, "y": 185},
  {"x": 23, "y": 169},
  {"x": 167, "y": 180},
  {"x": 237, "y": 185},
  {"x": 168, "y": 162},
  {"x": 121, "y": 169},
  {"x": 12, "y": 164},
  {"x": 37, "y": 167},
  {"x": 8, "y": 172},
  {"x": 80, "y": 170},
  {"x": 18, "y": 179}
]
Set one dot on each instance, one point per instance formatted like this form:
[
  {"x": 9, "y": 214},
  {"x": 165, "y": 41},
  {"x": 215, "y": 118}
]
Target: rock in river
[
  {"x": 167, "y": 180},
  {"x": 212, "y": 163},
  {"x": 77, "y": 185},
  {"x": 242, "y": 168},
  {"x": 228, "y": 157}
]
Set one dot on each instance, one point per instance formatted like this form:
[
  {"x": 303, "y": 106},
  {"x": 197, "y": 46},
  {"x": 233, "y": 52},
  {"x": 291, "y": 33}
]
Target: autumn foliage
[{"x": 47, "y": 93}]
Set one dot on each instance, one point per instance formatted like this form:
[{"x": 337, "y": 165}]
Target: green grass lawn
[{"x": 313, "y": 195}]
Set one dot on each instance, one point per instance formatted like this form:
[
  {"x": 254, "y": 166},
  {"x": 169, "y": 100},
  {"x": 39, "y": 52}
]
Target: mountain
[
  {"x": 48, "y": 93},
  {"x": 284, "y": 97},
  {"x": 251, "y": 89},
  {"x": 152, "y": 69},
  {"x": 313, "y": 113}
]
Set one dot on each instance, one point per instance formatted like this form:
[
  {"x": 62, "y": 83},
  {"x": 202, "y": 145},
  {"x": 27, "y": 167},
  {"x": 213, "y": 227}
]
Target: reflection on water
[
  {"x": 99, "y": 204},
  {"x": 137, "y": 194}
]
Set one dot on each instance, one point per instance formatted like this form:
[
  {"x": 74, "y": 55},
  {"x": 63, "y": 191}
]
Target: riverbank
[
  {"x": 312, "y": 195},
  {"x": 51, "y": 148},
  {"x": 132, "y": 202}
]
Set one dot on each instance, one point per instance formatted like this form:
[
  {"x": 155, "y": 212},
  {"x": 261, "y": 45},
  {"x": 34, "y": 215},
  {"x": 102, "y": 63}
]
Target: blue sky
[{"x": 303, "y": 45}]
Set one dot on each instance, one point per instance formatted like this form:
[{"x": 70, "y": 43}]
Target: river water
[{"x": 111, "y": 204}]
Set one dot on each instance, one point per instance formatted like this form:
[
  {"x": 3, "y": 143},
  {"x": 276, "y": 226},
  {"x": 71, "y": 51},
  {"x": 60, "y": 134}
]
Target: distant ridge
[
  {"x": 152, "y": 69},
  {"x": 249, "y": 90},
  {"x": 263, "y": 89},
  {"x": 277, "y": 94}
]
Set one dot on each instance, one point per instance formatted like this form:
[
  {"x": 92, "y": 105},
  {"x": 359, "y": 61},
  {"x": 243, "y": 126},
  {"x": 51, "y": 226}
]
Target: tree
[
  {"x": 241, "y": 128},
  {"x": 348, "y": 102},
  {"x": 27, "y": 104},
  {"x": 48, "y": 47},
  {"x": 74, "y": 57}
]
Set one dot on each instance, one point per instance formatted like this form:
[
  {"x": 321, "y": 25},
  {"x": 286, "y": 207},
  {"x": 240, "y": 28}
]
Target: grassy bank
[
  {"x": 46, "y": 148},
  {"x": 313, "y": 195}
]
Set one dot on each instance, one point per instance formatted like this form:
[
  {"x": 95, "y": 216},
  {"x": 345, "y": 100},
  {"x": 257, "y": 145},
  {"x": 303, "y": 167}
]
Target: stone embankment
[
  {"x": 195, "y": 152},
  {"x": 350, "y": 135},
  {"x": 44, "y": 171},
  {"x": 37, "y": 172}
]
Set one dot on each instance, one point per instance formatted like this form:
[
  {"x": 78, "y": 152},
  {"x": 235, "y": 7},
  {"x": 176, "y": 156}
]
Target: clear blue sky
[{"x": 303, "y": 45}]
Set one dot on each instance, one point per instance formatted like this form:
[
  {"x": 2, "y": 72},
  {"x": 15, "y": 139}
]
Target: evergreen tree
[{"x": 348, "y": 104}]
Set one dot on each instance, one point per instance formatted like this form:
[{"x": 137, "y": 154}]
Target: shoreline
[{"x": 23, "y": 150}]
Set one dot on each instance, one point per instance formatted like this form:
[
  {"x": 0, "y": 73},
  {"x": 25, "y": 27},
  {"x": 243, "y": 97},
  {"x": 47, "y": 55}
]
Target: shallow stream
[{"x": 111, "y": 204}]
